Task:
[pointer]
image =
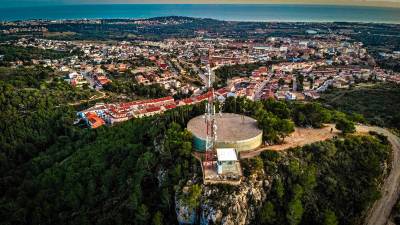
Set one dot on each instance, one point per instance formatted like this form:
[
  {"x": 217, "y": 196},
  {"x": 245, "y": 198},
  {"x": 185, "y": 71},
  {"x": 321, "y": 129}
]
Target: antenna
[{"x": 210, "y": 116}]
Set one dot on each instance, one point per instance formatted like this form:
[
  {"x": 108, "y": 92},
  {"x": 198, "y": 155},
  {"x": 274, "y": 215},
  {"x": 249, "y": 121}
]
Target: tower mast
[{"x": 210, "y": 116}]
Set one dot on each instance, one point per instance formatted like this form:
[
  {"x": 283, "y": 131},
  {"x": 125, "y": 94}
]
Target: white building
[{"x": 226, "y": 160}]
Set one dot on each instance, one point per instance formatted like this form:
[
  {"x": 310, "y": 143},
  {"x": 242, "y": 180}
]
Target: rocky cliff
[{"x": 228, "y": 205}]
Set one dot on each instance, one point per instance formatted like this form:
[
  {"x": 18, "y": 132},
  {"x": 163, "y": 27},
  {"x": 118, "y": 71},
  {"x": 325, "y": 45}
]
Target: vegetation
[
  {"x": 54, "y": 172},
  {"x": 274, "y": 129},
  {"x": 272, "y": 116},
  {"x": 330, "y": 182},
  {"x": 93, "y": 180},
  {"x": 192, "y": 196},
  {"x": 130, "y": 87},
  {"x": 115, "y": 29},
  {"x": 378, "y": 103},
  {"x": 379, "y": 39},
  {"x": 33, "y": 113},
  {"x": 396, "y": 213},
  {"x": 239, "y": 70},
  {"x": 14, "y": 53},
  {"x": 345, "y": 125},
  {"x": 313, "y": 115},
  {"x": 277, "y": 118}
]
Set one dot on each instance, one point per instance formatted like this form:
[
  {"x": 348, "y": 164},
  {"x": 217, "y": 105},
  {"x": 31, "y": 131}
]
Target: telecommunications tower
[{"x": 210, "y": 119}]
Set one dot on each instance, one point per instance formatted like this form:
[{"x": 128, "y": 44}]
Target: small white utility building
[{"x": 227, "y": 160}]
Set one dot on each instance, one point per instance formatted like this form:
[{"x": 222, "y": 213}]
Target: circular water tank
[{"x": 234, "y": 131}]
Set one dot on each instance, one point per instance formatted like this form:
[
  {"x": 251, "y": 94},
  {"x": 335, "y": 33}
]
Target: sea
[{"x": 237, "y": 12}]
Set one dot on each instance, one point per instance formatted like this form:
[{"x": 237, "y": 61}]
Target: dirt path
[
  {"x": 93, "y": 98},
  {"x": 300, "y": 137}
]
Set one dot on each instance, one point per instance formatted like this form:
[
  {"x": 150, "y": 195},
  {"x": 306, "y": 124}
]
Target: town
[
  {"x": 186, "y": 120},
  {"x": 284, "y": 68}
]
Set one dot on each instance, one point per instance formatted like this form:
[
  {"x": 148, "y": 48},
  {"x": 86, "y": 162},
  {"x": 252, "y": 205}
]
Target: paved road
[
  {"x": 380, "y": 211},
  {"x": 259, "y": 91}
]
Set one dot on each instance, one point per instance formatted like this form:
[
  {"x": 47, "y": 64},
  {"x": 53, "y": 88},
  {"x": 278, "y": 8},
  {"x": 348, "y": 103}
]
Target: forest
[
  {"x": 130, "y": 86},
  {"x": 226, "y": 72},
  {"x": 53, "y": 172},
  {"x": 384, "y": 35},
  {"x": 379, "y": 39},
  {"x": 329, "y": 183},
  {"x": 33, "y": 113},
  {"x": 26, "y": 54},
  {"x": 378, "y": 103}
]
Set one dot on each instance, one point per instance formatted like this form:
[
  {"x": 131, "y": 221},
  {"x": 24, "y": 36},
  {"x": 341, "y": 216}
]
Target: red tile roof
[
  {"x": 172, "y": 106},
  {"x": 94, "y": 120},
  {"x": 153, "y": 109},
  {"x": 187, "y": 101},
  {"x": 204, "y": 96},
  {"x": 222, "y": 91}
]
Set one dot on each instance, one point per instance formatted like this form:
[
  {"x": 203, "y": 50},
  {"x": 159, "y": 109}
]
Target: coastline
[{"x": 228, "y": 12}]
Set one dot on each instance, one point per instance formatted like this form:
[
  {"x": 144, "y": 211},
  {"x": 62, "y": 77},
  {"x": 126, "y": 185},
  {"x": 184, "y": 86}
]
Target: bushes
[
  {"x": 131, "y": 87},
  {"x": 267, "y": 213},
  {"x": 252, "y": 166},
  {"x": 277, "y": 118},
  {"x": 274, "y": 129},
  {"x": 192, "y": 197},
  {"x": 330, "y": 218},
  {"x": 13, "y": 53},
  {"x": 108, "y": 175},
  {"x": 52, "y": 172},
  {"x": 379, "y": 104},
  {"x": 330, "y": 182},
  {"x": 313, "y": 115},
  {"x": 345, "y": 125}
]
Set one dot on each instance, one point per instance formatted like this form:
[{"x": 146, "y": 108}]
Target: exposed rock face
[
  {"x": 185, "y": 215},
  {"x": 184, "y": 212},
  {"x": 228, "y": 205},
  {"x": 235, "y": 205}
]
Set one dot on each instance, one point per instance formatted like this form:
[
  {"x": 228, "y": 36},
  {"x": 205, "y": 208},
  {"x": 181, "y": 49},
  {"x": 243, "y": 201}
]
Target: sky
[{"x": 23, "y": 3}]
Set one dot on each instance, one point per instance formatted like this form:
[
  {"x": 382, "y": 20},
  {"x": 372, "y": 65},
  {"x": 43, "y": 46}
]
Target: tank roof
[{"x": 231, "y": 127}]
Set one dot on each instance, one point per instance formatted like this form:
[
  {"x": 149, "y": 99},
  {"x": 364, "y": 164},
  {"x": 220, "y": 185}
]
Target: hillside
[
  {"x": 52, "y": 172},
  {"x": 378, "y": 103}
]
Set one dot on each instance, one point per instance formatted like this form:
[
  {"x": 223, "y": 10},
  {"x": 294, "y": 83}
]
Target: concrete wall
[{"x": 244, "y": 145}]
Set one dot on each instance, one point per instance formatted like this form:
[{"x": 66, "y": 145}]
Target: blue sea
[{"x": 269, "y": 12}]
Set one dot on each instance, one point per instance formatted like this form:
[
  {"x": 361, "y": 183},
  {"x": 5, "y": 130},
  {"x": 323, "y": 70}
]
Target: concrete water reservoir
[{"x": 234, "y": 131}]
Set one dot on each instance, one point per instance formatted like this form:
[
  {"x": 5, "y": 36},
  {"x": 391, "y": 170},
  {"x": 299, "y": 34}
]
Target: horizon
[
  {"x": 47, "y": 3},
  {"x": 227, "y": 12},
  {"x": 199, "y": 112}
]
